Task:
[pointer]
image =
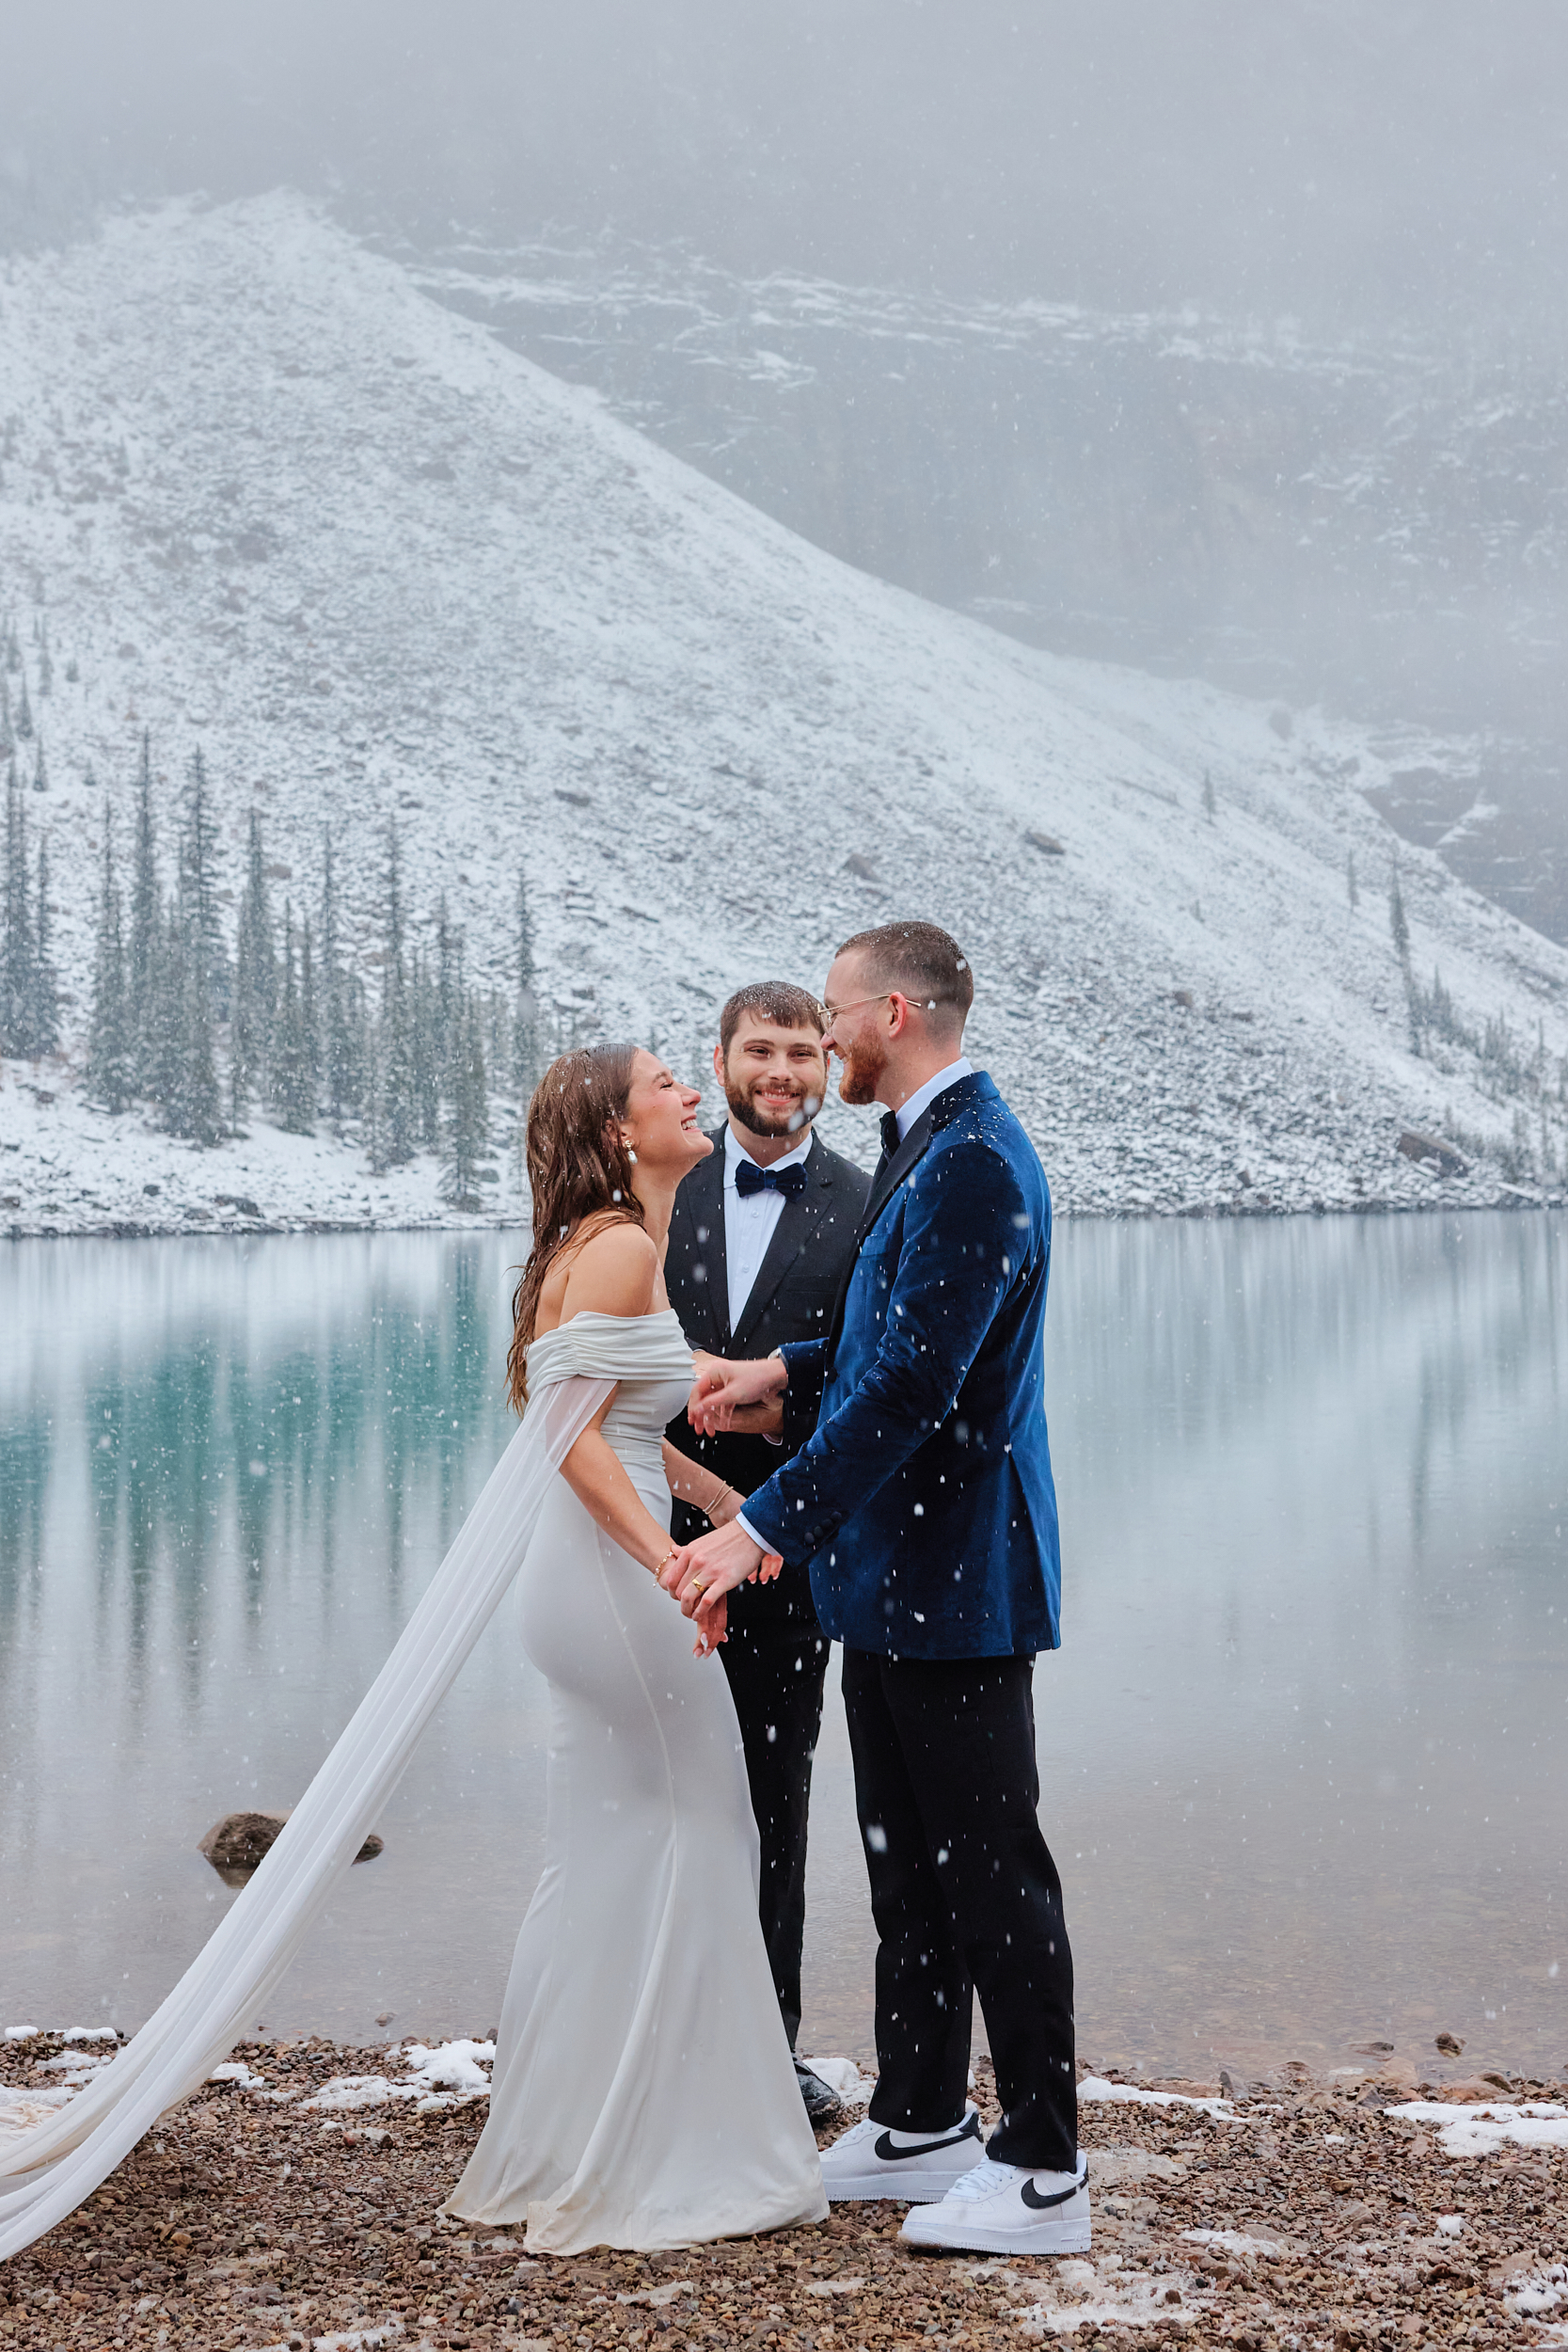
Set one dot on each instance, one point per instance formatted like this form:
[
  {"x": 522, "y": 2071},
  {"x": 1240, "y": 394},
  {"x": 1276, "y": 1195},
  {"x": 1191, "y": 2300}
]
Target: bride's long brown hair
[{"x": 578, "y": 1169}]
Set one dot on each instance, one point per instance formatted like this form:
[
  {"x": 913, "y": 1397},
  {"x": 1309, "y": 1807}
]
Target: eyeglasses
[{"x": 836, "y": 1013}]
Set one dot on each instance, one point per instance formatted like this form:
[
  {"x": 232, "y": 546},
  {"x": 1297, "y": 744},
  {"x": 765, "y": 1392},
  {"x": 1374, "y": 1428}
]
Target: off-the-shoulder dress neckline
[{"x": 598, "y": 1315}]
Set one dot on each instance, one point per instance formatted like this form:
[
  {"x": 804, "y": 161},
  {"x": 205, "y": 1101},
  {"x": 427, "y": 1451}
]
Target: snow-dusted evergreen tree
[
  {"x": 8, "y": 732},
  {"x": 467, "y": 1119},
  {"x": 24, "y": 720},
  {"x": 255, "y": 990},
  {"x": 162, "y": 1023},
  {"x": 41, "y": 769},
  {"x": 43, "y": 994},
  {"x": 18, "y": 940},
  {"x": 293, "y": 1093},
  {"x": 1352, "y": 887},
  {"x": 1209, "y": 800},
  {"x": 339, "y": 1027},
  {"x": 205, "y": 944},
  {"x": 146, "y": 939},
  {"x": 526, "y": 1045},
  {"x": 110, "y": 1061},
  {"x": 398, "y": 1107},
  {"x": 1398, "y": 924},
  {"x": 46, "y": 666}
]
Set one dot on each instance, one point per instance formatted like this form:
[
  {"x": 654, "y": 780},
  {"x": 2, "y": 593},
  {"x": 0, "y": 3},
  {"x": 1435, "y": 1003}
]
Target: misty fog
[{"x": 1206, "y": 337}]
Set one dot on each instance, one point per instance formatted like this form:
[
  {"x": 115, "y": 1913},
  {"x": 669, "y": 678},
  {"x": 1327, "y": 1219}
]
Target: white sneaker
[
  {"x": 868, "y": 2161},
  {"x": 1006, "y": 2209}
]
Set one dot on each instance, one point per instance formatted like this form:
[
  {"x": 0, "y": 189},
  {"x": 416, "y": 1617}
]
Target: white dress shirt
[
  {"x": 907, "y": 1116},
  {"x": 750, "y": 1225},
  {"x": 908, "y": 1112}
]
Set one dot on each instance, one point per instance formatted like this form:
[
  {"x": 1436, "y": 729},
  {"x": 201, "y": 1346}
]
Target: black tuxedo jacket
[{"x": 793, "y": 1297}]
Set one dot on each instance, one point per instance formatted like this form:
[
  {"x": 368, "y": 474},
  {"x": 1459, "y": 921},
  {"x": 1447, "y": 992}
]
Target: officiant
[{"x": 762, "y": 1235}]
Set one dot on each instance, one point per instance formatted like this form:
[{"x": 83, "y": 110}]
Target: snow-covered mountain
[{"x": 270, "y": 499}]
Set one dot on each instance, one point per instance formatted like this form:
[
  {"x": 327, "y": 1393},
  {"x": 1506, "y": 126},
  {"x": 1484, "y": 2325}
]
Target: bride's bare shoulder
[{"x": 612, "y": 1273}]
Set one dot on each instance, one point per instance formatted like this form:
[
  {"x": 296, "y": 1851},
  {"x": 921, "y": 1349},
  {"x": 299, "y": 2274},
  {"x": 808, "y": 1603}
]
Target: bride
[{"x": 644, "y": 2091}]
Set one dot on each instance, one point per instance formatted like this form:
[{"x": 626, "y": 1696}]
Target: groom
[{"x": 925, "y": 1504}]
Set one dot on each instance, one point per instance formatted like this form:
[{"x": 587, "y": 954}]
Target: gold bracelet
[
  {"x": 723, "y": 1488},
  {"x": 672, "y": 1553}
]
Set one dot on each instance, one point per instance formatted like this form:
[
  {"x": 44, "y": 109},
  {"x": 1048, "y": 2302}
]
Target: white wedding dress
[{"x": 643, "y": 2092}]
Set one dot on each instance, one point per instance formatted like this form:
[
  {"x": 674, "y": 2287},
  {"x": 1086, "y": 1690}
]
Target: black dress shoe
[{"x": 822, "y": 2102}]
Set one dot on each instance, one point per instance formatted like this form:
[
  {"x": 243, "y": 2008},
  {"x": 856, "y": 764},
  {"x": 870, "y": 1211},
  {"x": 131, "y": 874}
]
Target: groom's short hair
[
  {"x": 923, "y": 962},
  {"x": 779, "y": 1001}
]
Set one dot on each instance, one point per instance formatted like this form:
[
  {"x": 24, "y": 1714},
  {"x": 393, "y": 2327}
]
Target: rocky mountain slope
[{"x": 261, "y": 495}]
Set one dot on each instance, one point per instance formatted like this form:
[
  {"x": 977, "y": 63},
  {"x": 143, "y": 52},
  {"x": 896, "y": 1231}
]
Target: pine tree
[
  {"x": 255, "y": 990},
  {"x": 1396, "y": 923},
  {"x": 310, "y": 1016},
  {"x": 340, "y": 1042},
  {"x": 8, "y": 734},
  {"x": 1208, "y": 803},
  {"x": 109, "y": 1061},
  {"x": 467, "y": 1117},
  {"x": 23, "y": 714},
  {"x": 41, "y": 773},
  {"x": 398, "y": 1109},
  {"x": 46, "y": 667},
  {"x": 290, "y": 1060},
  {"x": 527, "y": 1056},
  {"x": 43, "y": 995},
  {"x": 1350, "y": 879},
  {"x": 146, "y": 941},
  {"x": 17, "y": 945},
  {"x": 425, "y": 1033},
  {"x": 203, "y": 925},
  {"x": 162, "y": 1023},
  {"x": 199, "y": 1100}
]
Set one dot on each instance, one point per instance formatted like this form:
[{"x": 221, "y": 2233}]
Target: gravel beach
[{"x": 1290, "y": 2212}]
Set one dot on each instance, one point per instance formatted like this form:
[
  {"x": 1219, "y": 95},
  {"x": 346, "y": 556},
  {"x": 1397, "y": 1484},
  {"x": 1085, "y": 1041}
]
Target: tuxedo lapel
[
  {"x": 707, "y": 1183},
  {"x": 791, "y": 1236},
  {"x": 891, "y": 1172}
]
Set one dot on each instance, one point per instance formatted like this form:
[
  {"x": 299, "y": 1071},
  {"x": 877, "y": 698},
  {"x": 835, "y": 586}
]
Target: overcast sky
[{"x": 1366, "y": 158}]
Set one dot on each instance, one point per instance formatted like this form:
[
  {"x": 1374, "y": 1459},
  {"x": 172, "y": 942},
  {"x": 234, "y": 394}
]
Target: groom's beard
[
  {"x": 862, "y": 1074},
  {"x": 773, "y": 1118}
]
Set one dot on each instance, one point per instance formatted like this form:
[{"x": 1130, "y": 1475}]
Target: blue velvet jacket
[{"x": 924, "y": 1500}]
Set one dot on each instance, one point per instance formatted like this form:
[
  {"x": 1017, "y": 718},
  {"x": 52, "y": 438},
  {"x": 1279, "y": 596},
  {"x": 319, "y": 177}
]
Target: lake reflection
[{"x": 1302, "y": 1753}]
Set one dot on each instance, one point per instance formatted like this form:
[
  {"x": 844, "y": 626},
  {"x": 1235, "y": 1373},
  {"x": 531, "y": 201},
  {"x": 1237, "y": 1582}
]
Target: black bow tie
[
  {"x": 749, "y": 1178},
  {"x": 890, "y": 1132}
]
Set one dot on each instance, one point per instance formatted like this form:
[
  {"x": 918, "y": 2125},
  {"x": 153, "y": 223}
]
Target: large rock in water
[{"x": 238, "y": 1842}]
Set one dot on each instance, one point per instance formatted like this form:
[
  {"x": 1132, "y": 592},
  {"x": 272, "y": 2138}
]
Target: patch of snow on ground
[
  {"x": 1233, "y": 2241},
  {"x": 445, "y": 2076},
  {"x": 844, "y": 2080},
  {"x": 236, "y": 2070},
  {"x": 1480, "y": 2131},
  {"x": 1094, "y": 2088}
]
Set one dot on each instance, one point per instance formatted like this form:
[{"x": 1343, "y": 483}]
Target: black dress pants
[
  {"x": 966, "y": 1898},
  {"x": 775, "y": 1677}
]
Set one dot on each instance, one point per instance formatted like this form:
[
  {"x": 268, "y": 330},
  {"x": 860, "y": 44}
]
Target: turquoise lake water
[{"x": 1302, "y": 1752}]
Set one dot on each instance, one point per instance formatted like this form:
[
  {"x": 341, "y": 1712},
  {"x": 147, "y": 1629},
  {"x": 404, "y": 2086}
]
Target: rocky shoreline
[{"x": 294, "y": 2204}]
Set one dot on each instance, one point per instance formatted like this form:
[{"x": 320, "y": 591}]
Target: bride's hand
[{"x": 712, "y": 1628}]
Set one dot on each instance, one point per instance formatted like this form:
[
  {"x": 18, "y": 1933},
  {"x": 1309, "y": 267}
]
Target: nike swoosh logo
[
  {"x": 890, "y": 2154},
  {"x": 1036, "y": 2203}
]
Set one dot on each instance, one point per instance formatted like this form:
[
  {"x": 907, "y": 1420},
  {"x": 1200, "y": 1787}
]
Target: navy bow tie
[
  {"x": 749, "y": 1178},
  {"x": 890, "y": 1132}
]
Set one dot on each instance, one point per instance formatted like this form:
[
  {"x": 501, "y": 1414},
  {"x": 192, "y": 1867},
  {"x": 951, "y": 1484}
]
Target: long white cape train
[{"x": 63, "y": 2158}]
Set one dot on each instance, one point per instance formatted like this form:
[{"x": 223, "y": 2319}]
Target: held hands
[
  {"x": 701, "y": 1574},
  {"x": 737, "y": 1396}
]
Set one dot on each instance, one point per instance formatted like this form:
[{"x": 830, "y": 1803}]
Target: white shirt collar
[
  {"x": 734, "y": 1151},
  {"x": 908, "y": 1112}
]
